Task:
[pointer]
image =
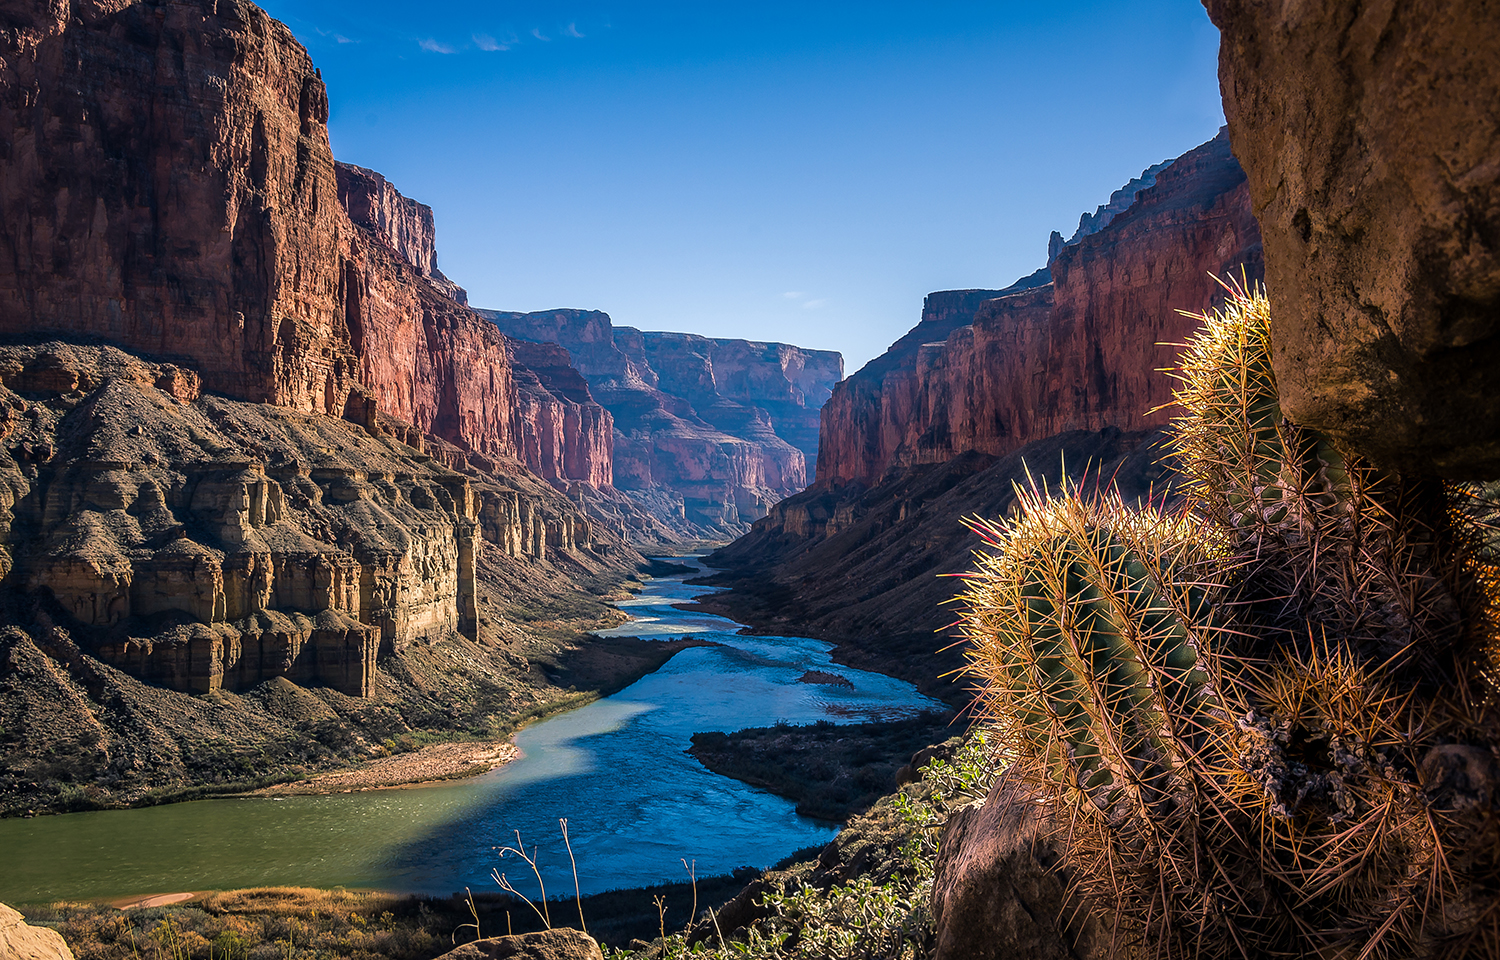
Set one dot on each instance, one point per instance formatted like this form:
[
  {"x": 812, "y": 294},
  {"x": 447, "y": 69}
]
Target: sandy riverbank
[{"x": 441, "y": 761}]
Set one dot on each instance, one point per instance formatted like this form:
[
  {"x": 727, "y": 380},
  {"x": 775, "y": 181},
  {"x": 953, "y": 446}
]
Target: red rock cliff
[
  {"x": 564, "y": 434},
  {"x": 407, "y": 226},
  {"x": 708, "y": 433},
  {"x": 166, "y": 184},
  {"x": 1081, "y": 353}
]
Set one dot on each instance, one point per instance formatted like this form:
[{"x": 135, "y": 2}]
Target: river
[{"x": 636, "y": 803}]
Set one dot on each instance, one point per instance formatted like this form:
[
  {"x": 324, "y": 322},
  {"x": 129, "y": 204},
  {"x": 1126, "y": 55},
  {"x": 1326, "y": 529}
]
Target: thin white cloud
[
  {"x": 537, "y": 32},
  {"x": 814, "y": 304},
  {"x": 343, "y": 39},
  {"x": 572, "y": 31},
  {"x": 488, "y": 43},
  {"x": 794, "y": 294},
  {"x": 432, "y": 46}
]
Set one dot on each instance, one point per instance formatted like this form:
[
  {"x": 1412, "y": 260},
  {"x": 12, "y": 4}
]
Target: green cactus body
[
  {"x": 1090, "y": 636},
  {"x": 1243, "y": 462}
]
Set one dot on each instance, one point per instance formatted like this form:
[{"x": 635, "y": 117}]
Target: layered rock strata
[
  {"x": 564, "y": 434},
  {"x": 993, "y": 373},
  {"x": 374, "y": 203},
  {"x": 203, "y": 543},
  {"x": 1370, "y": 137},
  {"x": 166, "y": 185},
  {"x": 708, "y": 434}
]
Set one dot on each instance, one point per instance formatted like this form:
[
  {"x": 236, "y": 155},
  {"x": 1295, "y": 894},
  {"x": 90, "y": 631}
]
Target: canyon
[
  {"x": 709, "y": 433},
  {"x": 255, "y": 446},
  {"x": 1053, "y": 379}
]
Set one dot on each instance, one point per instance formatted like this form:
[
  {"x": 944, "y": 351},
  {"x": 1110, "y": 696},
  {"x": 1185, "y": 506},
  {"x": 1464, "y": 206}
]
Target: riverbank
[
  {"x": 431, "y": 764},
  {"x": 831, "y": 771}
]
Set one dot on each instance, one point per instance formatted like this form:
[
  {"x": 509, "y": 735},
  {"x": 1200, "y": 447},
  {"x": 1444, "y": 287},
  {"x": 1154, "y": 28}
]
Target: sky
[{"x": 795, "y": 171}]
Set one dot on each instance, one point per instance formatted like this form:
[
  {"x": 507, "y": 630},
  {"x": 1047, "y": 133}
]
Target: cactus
[
  {"x": 1227, "y": 709},
  {"x": 1090, "y": 640},
  {"x": 1322, "y": 536}
]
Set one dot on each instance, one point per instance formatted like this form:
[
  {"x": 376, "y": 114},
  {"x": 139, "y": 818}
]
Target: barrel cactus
[
  {"x": 1233, "y": 712},
  {"x": 1321, "y": 536},
  {"x": 1093, "y": 627},
  {"x": 1090, "y": 640}
]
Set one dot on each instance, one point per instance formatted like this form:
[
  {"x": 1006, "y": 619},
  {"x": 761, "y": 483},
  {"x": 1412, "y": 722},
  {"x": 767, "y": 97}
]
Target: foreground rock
[
  {"x": 1369, "y": 136},
  {"x": 997, "y": 893},
  {"x": 548, "y": 945},
  {"x": 21, "y": 941}
]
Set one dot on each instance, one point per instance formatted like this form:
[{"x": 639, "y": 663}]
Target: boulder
[
  {"x": 563, "y": 944},
  {"x": 997, "y": 893},
  {"x": 1370, "y": 139},
  {"x": 21, "y": 941}
]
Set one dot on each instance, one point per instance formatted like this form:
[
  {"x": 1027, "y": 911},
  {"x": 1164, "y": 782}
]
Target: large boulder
[
  {"x": 1369, "y": 134},
  {"x": 21, "y": 941},
  {"x": 562, "y": 944},
  {"x": 998, "y": 894}
]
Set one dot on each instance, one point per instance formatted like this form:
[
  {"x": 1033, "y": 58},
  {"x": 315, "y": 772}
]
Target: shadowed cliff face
[
  {"x": 1369, "y": 135},
  {"x": 991, "y": 371},
  {"x": 708, "y": 433}
]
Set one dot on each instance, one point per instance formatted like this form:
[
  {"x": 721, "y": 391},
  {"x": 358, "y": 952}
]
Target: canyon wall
[
  {"x": 708, "y": 434},
  {"x": 1056, "y": 375},
  {"x": 167, "y": 185},
  {"x": 405, "y": 225},
  {"x": 291, "y": 464},
  {"x": 991, "y": 371},
  {"x": 1370, "y": 137}
]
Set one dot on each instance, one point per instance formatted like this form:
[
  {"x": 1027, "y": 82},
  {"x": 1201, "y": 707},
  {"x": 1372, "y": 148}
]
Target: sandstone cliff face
[
  {"x": 565, "y": 435},
  {"x": 168, "y": 186},
  {"x": 991, "y": 371},
  {"x": 374, "y": 203},
  {"x": 1371, "y": 142},
  {"x": 706, "y": 432}
]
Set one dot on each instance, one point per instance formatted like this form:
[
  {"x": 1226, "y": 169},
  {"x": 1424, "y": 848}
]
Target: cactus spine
[
  {"x": 1091, "y": 642},
  {"x": 1228, "y": 708}
]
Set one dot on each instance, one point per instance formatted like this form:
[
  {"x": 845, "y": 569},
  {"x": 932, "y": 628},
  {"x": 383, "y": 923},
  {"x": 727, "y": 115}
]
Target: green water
[{"x": 636, "y": 803}]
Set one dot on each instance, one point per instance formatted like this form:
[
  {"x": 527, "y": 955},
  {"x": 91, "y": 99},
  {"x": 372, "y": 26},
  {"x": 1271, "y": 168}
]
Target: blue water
[{"x": 637, "y": 805}]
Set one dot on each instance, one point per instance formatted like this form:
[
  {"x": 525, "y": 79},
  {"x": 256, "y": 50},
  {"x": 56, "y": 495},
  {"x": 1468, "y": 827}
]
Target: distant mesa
[{"x": 709, "y": 434}]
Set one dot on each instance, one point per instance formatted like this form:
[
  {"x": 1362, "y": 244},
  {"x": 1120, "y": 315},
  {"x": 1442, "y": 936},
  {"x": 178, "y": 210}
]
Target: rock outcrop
[
  {"x": 990, "y": 371},
  {"x": 998, "y": 893},
  {"x": 19, "y": 940},
  {"x": 708, "y": 434},
  {"x": 206, "y": 543},
  {"x": 1369, "y": 135},
  {"x": 559, "y": 944}
]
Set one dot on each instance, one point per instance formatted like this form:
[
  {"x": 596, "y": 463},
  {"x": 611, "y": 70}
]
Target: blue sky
[{"x": 776, "y": 171}]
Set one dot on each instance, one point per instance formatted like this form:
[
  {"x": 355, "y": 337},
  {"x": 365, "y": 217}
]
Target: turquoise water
[{"x": 636, "y": 803}]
